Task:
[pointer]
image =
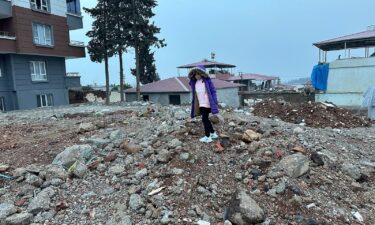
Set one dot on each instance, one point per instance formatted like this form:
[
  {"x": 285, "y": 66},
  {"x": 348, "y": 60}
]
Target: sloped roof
[
  {"x": 250, "y": 76},
  {"x": 357, "y": 40},
  {"x": 178, "y": 84},
  {"x": 207, "y": 64}
]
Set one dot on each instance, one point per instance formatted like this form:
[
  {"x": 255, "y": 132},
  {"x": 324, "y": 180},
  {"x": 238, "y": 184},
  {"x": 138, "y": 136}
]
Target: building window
[
  {"x": 42, "y": 34},
  {"x": 38, "y": 71},
  {"x": 174, "y": 100},
  {"x": 1, "y": 71},
  {"x": 145, "y": 98},
  {"x": 39, "y": 5},
  {"x": 44, "y": 100},
  {"x": 73, "y": 6}
]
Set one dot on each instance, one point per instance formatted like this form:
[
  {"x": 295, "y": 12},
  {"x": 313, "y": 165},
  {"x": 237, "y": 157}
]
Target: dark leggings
[{"x": 206, "y": 122}]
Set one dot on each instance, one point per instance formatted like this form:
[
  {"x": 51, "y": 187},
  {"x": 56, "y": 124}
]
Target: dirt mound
[{"x": 313, "y": 114}]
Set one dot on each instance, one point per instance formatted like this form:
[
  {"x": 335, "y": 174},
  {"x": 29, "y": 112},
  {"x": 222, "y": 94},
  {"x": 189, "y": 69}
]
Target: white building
[{"x": 348, "y": 77}]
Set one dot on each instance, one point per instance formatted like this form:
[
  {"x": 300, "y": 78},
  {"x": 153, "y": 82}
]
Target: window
[
  {"x": 1, "y": 71},
  {"x": 73, "y": 6},
  {"x": 42, "y": 34},
  {"x": 174, "y": 100},
  {"x": 44, "y": 100},
  {"x": 39, "y": 5},
  {"x": 145, "y": 98},
  {"x": 2, "y": 104},
  {"x": 38, "y": 71}
]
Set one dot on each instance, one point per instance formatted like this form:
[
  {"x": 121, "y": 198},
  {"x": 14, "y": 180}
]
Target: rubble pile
[
  {"x": 312, "y": 114},
  {"x": 145, "y": 165}
]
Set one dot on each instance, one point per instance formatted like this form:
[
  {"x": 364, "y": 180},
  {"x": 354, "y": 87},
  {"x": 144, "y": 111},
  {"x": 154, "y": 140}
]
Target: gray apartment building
[{"x": 34, "y": 44}]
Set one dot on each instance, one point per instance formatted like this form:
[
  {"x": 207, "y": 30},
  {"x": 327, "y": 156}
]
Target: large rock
[
  {"x": 19, "y": 219},
  {"x": 78, "y": 169},
  {"x": 250, "y": 136},
  {"x": 6, "y": 209},
  {"x": 293, "y": 165},
  {"x": 42, "y": 201},
  {"x": 72, "y": 154},
  {"x": 243, "y": 210},
  {"x": 34, "y": 180},
  {"x": 181, "y": 115},
  {"x": 175, "y": 143}
]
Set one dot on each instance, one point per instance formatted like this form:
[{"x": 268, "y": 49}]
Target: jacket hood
[{"x": 199, "y": 71}]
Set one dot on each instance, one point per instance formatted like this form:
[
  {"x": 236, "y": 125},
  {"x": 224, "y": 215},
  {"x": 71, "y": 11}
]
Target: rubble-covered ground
[
  {"x": 313, "y": 114},
  {"x": 143, "y": 164}
]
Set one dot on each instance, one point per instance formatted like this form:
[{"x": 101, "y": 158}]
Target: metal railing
[
  {"x": 77, "y": 43},
  {"x": 7, "y": 35},
  {"x": 72, "y": 74}
]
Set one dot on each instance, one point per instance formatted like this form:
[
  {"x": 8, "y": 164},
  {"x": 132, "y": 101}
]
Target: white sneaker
[
  {"x": 213, "y": 135},
  {"x": 206, "y": 139}
]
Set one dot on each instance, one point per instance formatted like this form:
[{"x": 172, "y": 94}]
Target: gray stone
[
  {"x": 177, "y": 171},
  {"x": 19, "y": 219},
  {"x": 175, "y": 143},
  {"x": 136, "y": 202},
  {"x": 238, "y": 176},
  {"x": 202, "y": 222},
  {"x": 164, "y": 156},
  {"x": 79, "y": 170},
  {"x": 120, "y": 220},
  {"x": 181, "y": 115},
  {"x": 227, "y": 222},
  {"x": 184, "y": 156},
  {"x": 114, "y": 135},
  {"x": 116, "y": 169},
  {"x": 108, "y": 191},
  {"x": 243, "y": 210},
  {"x": 298, "y": 130},
  {"x": 100, "y": 142},
  {"x": 56, "y": 171},
  {"x": 141, "y": 174},
  {"x": 272, "y": 193},
  {"x": 6, "y": 209},
  {"x": 72, "y": 154},
  {"x": 280, "y": 188},
  {"x": 101, "y": 167},
  {"x": 42, "y": 201},
  {"x": 351, "y": 170},
  {"x": 86, "y": 127},
  {"x": 34, "y": 180},
  {"x": 294, "y": 165},
  {"x": 56, "y": 182}
]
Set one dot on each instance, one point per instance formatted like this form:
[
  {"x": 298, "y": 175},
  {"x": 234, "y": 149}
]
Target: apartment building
[{"x": 34, "y": 44}]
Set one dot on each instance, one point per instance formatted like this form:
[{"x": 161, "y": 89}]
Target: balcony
[
  {"x": 77, "y": 44},
  {"x": 73, "y": 80},
  {"x": 5, "y": 9},
  {"x": 74, "y": 14},
  {"x": 76, "y": 50},
  {"x": 7, "y": 42}
]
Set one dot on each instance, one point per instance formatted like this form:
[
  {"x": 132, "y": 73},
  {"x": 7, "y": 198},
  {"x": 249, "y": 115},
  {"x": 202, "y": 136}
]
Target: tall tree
[
  {"x": 100, "y": 47},
  {"x": 143, "y": 32},
  {"x": 122, "y": 12},
  {"x": 147, "y": 68}
]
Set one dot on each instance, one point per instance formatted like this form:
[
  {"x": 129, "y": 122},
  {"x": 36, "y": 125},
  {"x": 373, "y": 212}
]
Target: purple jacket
[{"x": 211, "y": 92}]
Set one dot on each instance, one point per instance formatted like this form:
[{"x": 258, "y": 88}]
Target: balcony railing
[
  {"x": 7, "y": 35},
  {"x": 77, "y": 43},
  {"x": 73, "y": 74}
]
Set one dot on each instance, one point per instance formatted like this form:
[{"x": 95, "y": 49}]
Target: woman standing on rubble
[{"x": 204, "y": 100}]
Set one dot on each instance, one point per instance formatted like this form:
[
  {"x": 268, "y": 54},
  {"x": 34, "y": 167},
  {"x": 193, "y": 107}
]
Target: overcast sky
[{"x": 269, "y": 37}]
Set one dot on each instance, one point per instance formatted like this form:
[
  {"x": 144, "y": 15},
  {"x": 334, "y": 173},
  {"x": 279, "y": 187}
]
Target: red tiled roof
[
  {"x": 207, "y": 64},
  {"x": 178, "y": 84},
  {"x": 250, "y": 76}
]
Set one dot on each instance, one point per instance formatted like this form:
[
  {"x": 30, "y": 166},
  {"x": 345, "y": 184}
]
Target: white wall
[
  {"x": 57, "y": 7},
  {"x": 348, "y": 79}
]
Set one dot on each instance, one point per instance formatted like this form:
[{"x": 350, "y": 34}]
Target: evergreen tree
[
  {"x": 100, "y": 47},
  {"x": 147, "y": 68},
  {"x": 143, "y": 32}
]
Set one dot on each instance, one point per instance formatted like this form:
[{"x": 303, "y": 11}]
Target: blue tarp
[{"x": 319, "y": 76}]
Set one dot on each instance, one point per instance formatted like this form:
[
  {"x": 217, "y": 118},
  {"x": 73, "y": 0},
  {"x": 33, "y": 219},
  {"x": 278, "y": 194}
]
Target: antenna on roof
[
  {"x": 371, "y": 28},
  {"x": 213, "y": 55}
]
